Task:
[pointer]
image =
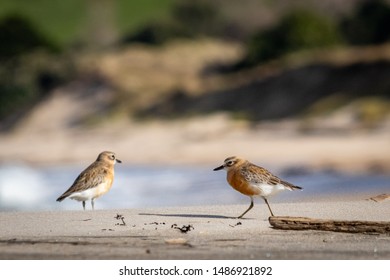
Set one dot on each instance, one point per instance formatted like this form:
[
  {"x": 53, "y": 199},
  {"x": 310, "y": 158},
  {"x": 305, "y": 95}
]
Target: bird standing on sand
[
  {"x": 253, "y": 180},
  {"x": 94, "y": 181}
]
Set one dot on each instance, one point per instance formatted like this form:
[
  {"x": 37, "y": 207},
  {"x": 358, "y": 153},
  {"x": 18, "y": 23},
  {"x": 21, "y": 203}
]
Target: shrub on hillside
[
  {"x": 19, "y": 36},
  {"x": 12, "y": 98},
  {"x": 27, "y": 79},
  {"x": 154, "y": 33},
  {"x": 189, "y": 19},
  {"x": 296, "y": 31},
  {"x": 197, "y": 18},
  {"x": 27, "y": 70},
  {"x": 369, "y": 24}
]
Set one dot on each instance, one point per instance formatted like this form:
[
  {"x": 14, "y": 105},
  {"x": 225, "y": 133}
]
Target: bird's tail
[
  {"x": 290, "y": 186},
  {"x": 62, "y": 197}
]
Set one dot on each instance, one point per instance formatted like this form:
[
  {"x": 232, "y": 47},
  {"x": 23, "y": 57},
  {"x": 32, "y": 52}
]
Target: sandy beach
[{"x": 201, "y": 232}]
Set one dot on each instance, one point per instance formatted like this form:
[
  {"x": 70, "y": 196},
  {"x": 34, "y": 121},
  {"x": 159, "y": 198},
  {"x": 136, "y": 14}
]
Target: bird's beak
[
  {"x": 218, "y": 168},
  {"x": 118, "y": 160}
]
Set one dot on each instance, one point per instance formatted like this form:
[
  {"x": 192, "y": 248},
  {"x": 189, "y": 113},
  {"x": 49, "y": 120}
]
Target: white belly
[
  {"x": 269, "y": 190},
  {"x": 90, "y": 193}
]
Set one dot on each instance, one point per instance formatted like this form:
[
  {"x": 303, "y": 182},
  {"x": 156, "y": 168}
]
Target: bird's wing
[
  {"x": 258, "y": 175},
  {"x": 89, "y": 178}
]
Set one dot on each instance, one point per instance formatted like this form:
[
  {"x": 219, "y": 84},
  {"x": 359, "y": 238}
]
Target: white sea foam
[
  {"x": 26, "y": 188},
  {"x": 21, "y": 187}
]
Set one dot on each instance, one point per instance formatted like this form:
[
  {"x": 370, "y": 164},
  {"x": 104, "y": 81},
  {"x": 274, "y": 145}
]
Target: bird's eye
[
  {"x": 112, "y": 157},
  {"x": 230, "y": 163}
]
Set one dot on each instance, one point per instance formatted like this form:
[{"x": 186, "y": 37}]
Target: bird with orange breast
[
  {"x": 252, "y": 180},
  {"x": 94, "y": 181}
]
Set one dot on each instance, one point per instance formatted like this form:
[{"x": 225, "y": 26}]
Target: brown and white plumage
[
  {"x": 252, "y": 180},
  {"x": 94, "y": 181}
]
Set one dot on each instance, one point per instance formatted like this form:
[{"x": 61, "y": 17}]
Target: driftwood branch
[{"x": 303, "y": 223}]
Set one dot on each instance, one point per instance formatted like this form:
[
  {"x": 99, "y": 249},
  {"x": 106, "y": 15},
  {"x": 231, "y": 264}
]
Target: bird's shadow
[{"x": 190, "y": 216}]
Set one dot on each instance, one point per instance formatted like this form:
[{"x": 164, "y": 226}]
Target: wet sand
[{"x": 201, "y": 232}]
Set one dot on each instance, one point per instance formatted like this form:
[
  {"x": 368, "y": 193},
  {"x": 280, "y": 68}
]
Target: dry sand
[{"x": 213, "y": 234}]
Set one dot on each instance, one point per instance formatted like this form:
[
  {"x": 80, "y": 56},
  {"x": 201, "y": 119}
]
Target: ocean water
[{"x": 28, "y": 188}]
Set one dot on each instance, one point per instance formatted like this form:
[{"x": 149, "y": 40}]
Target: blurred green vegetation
[
  {"x": 28, "y": 78},
  {"x": 57, "y": 19},
  {"x": 369, "y": 24},
  {"x": 298, "y": 30},
  {"x": 306, "y": 29},
  {"x": 24, "y": 78},
  {"x": 134, "y": 15},
  {"x": 18, "y": 36},
  {"x": 66, "y": 22},
  {"x": 187, "y": 19},
  {"x": 38, "y": 38}
]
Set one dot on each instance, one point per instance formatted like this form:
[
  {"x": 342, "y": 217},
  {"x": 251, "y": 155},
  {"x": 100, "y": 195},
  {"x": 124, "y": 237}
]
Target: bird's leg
[
  {"x": 266, "y": 201},
  {"x": 246, "y": 211},
  {"x": 84, "y": 205},
  {"x": 93, "y": 204}
]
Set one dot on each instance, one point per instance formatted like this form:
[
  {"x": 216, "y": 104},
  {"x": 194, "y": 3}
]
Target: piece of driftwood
[{"x": 303, "y": 223}]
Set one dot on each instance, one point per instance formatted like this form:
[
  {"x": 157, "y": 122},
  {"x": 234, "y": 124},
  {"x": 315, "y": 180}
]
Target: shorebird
[
  {"x": 94, "y": 181},
  {"x": 252, "y": 180}
]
